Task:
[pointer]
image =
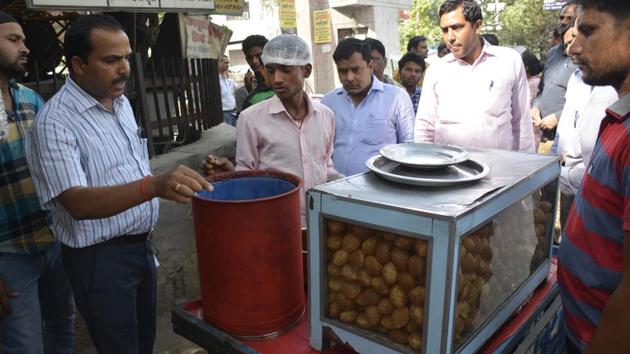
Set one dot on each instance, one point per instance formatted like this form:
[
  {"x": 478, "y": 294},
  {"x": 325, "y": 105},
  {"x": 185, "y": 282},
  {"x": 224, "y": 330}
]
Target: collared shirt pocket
[{"x": 374, "y": 130}]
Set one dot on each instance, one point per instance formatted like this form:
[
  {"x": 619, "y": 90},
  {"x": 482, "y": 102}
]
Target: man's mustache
[{"x": 120, "y": 79}]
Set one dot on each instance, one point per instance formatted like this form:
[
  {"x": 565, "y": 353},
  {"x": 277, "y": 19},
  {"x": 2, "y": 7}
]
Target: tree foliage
[
  {"x": 521, "y": 22},
  {"x": 423, "y": 21},
  {"x": 525, "y": 23}
]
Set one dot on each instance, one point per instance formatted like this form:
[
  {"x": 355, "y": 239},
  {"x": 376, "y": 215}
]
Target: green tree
[
  {"x": 526, "y": 23},
  {"x": 423, "y": 21}
]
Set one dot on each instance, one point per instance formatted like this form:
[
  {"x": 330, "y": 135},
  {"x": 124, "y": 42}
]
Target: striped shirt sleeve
[{"x": 54, "y": 155}]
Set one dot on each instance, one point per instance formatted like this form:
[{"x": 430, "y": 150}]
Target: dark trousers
[{"x": 114, "y": 286}]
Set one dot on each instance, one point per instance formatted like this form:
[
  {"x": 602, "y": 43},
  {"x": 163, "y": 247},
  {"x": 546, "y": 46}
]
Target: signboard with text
[
  {"x": 228, "y": 7},
  {"x": 124, "y": 5},
  {"x": 287, "y": 16},
  {"x": 322, "y": 32},
  {"x": 553, "y": 4}
]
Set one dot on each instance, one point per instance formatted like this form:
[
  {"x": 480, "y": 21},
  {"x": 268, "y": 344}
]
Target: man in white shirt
[
  {"x": 228, "y": 88},
  {"x": 478, "y": 95}
]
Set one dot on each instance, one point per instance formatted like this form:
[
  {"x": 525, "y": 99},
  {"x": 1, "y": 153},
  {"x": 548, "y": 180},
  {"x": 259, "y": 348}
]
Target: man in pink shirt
[
  {"x": 478, "y": 95},
  {"x": 289, "y": 131}
]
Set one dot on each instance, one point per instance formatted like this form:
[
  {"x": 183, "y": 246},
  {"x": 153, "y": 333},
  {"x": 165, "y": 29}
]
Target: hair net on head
[{"x": 287, "y": 49}]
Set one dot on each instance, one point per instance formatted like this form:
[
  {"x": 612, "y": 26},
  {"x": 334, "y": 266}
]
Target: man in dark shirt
[{"x": 252, "y": 48}]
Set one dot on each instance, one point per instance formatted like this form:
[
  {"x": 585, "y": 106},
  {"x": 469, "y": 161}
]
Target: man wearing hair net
[
  {"x": 289, "y": 131},
  {"x": 36, "y": 308}
]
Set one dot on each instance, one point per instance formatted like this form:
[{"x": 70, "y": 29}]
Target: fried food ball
[
  {"x": 399, "y": 336},
  {"x": 368, "y": 297},
  {"x": 388, "y": 236},
  {"x": 415, "y": 265},
  {"x": 387, "y": 322},
  {"x": 385, "y": 307},
  {"x": 379, "y": 285},
  {"x": 545, "y": 206},
  {"x": 415, "y": 340},
  {"x": 369, "y": 246},
  {"x": 349, "y": 273},
  {"x": 334, "y": 242},
  {"x": 469, "y": 244},
  {"x": 404, "y": 243},
  {"x": 397, "y": 296},
  {"x": 416, "y": 296},
  {"x": 539, "y": 216},
  {"x": 412, "y": 326},
  {"x": 459, "y": 328},
  {"x": 333, "y": 270},
  {"x": 356, "y": 259},
  {"x": 416, "y": 313},
  {"x": 406, "y": 281},
  {"x": 345, "y": 303},
  {"x": 362, "y": 321},
  {"x": 350, "y": 289},
  {"x": 400, "y": 317},
  {"x": 400, "y": 259},
  {"x": 334, "y": 284},
  {"x": 335, "y": 227},
  {"x": 468, "y": 263},
  {"x": 383, "y": 252},
  {"x": 348, "y": 316},
  {"x": 421, "y": 248},
  {"x": 462, "y": 309},
  {"x": 372, "y": 266},
  {"x": 334, "y": 310},
  {"x": 390, "y": 274},
  {"x": 351, "y": 242},
  {"x": 361, "y": 232},
  {"x": 364, "y": 278},
  {"x": 340, "y": 257},
  {"x": 372, "y": 315}
]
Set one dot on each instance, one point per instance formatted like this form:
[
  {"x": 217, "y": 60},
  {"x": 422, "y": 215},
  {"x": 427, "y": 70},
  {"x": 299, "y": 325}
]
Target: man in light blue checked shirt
[
  {"x": 368, "y": 113},
  {"x": 91, "y": 171}
]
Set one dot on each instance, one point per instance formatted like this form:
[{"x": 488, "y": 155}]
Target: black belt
[{"x": 127, "y": 239}]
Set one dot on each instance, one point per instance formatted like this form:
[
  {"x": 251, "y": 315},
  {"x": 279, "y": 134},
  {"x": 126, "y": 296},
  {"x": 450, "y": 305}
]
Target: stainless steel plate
[
  {"x": 424, "y": 155},
  {"x": 463, "y": 172}
]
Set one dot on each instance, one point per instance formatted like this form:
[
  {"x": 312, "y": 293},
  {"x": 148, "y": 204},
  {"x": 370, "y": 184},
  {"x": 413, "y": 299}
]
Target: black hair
[
  {"x": 472, "y": 10},
  {"x": 413, "y": 57},
  {"x": 77, "y": 41},
  {"x": 375, "y": 44},
  {"x": 570, "y": 2},
  {"x": 414, "y": 41},
  {"x": 255, "y": 40},
  {"x": 619, "y": 9},
  {"x": 441, "y": 48},
  {"x": 491, "y": 38},
  {"x": 533, "y": 66},
  {"x": 562, "y": 30},
  {"x": 349, "y": 46}
]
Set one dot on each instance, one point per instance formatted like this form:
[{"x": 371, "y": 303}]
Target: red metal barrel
[{"x": 250, "y": 254}]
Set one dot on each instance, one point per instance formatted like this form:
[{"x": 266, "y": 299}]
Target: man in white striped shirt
[{"x": 91, "y": 172}]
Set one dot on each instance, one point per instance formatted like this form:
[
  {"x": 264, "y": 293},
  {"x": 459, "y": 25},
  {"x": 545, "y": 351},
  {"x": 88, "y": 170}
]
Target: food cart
[{"x": 395, "y": 268}]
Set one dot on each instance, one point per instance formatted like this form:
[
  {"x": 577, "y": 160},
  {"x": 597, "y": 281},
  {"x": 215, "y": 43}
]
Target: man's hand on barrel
[
  {"x": 178, "y": 185},
  {"x": 215, "y": 164}
]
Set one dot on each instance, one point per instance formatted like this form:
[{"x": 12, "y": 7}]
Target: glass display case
[{"x": 396, "y": 268}]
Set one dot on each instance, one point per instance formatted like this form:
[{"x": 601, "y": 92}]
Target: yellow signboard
[
  {"x": 287, "y": 16},
  {"x": 228, "y": 7},
  {"x": 321, "y": 26}
]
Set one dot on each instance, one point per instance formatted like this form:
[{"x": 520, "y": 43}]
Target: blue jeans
[
  {"x": 229, "y": 117},
  {"x": 43, "y": 312}
]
